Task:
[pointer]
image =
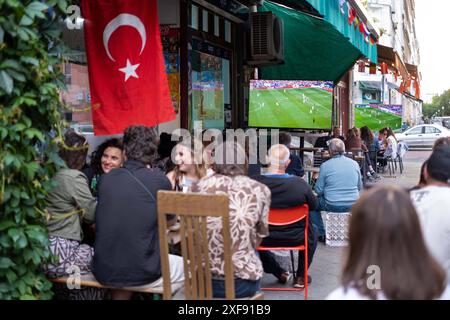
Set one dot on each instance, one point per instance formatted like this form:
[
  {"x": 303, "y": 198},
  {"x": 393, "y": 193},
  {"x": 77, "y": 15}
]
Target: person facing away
[
  {"x": 249, "y": 209},
  {"x": 387, "y": 257},
  {"x": 432, "y": 203},
  {"x": 69, "y": 204},
  {"x": 338, "y": 185},
  {"x": 127, "y": 251},
  {"x": 287, "y": 191},
  {"x": 295, "y": 164}
]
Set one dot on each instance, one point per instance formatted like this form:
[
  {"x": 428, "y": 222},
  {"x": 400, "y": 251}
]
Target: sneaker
[
  {"x": 300, "y": 283},
  {"x": 375, "y": 175},
  {"x": 284, "y": 278}
]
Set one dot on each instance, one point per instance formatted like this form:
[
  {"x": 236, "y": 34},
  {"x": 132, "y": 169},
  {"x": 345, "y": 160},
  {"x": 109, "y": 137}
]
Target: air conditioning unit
[{"x": 266, "y": 39}]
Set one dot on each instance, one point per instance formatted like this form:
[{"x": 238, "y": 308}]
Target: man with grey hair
[
  {"x": 338, "y": 185},
  {"x": 287, "y": 191}
]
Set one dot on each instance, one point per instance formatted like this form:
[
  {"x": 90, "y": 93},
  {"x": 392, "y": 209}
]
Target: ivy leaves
[{"x": 29, "y": 113}]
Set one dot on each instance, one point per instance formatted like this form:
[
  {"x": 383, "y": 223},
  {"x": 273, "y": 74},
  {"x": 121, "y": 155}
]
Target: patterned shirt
[{"x": 249, "y": 209}]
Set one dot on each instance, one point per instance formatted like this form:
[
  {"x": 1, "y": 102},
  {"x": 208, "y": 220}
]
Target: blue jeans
[
  {"x": 242, "y": 288},
  {"x": 316, "y": 217}
]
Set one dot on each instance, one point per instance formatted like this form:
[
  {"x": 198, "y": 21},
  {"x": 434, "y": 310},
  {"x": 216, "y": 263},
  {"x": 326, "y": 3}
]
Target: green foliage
[
  {"x": 29, "y": 112},
  {"x": 440, "y": 106}
]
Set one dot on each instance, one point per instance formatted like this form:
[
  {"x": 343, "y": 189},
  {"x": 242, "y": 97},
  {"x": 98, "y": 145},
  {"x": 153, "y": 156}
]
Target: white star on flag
[{"x": 130, "y": 70}]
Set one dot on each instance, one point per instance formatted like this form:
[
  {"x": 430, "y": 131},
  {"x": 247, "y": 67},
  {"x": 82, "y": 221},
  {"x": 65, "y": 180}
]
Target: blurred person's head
[
  {"x": 74, "y": 150},
  {"x": 383, "y": 134},
  {"x": 140, "y": 143},
  {"x": 385, "y": 232},
  {"x": 285, "y": 138},
  {"x": 230, "y": 159},
  {"x": 438, "y": 167},
  {"x": 107, "y": 156},
  {"x": 441, "y": 142},
  {"x": 423, "y": 180},
  {"x": 165, "y": 145},
  {"x": 278, "y": 158},
  {"x": 366, "y": 134},
  {"x": 337, "y": 147},
  {"x": 390, "y": 133},
  {"x": 336, "y": 132}
]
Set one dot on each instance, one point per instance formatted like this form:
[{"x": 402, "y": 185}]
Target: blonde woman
[{"x": 189, "y": 159}]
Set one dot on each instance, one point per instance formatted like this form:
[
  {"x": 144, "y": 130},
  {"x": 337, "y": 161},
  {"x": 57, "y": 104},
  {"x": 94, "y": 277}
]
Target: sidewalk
[{"x": 326, "y": 268}]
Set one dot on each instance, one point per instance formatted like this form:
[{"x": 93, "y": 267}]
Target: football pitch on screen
[
  {"x": 376, "y": 119},
  {"x": 308, "y": 108}
]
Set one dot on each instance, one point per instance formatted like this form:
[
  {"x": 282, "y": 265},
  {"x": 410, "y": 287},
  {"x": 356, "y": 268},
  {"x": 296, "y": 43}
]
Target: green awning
[
  {"x": 314, "y": 49},
  {"x": 370, "y": 85},
  {"x": 331, "y": 11}
]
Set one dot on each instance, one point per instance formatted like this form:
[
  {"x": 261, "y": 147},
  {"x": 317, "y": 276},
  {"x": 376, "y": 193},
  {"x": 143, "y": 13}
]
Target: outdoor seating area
[{"x": 221, "y": 155}]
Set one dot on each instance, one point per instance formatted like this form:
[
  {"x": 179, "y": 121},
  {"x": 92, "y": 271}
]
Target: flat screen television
[
  {"x": 291, "y": 104},
  {"x": 378, "y": 116}
]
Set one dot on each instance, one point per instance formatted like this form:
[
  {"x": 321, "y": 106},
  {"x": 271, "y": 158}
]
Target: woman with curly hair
[{"x": 107, "y": 156}]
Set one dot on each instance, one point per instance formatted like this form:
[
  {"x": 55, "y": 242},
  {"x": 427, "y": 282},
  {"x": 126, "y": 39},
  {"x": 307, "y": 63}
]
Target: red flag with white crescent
[{"x": 127, "y": 75}]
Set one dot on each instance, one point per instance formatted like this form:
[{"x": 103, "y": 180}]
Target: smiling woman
[{"x": 107, "y": 156}]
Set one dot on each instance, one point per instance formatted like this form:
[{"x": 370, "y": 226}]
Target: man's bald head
[{"x": 278, "y": 156}]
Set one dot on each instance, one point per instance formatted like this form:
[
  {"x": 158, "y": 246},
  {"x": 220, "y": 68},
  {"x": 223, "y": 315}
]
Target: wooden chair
[{"x": 193, "y": 210}]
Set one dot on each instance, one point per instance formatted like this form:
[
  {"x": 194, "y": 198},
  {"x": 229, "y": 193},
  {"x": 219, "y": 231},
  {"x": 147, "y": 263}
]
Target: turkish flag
[{"x": 127, "y": 75}]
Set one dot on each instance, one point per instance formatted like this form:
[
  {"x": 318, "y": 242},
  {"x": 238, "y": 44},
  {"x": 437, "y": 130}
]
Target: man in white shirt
[{"x": 433, "y": 206}]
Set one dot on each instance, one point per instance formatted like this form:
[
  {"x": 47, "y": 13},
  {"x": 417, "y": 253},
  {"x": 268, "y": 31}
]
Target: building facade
[{"x": 396, "y": 80}]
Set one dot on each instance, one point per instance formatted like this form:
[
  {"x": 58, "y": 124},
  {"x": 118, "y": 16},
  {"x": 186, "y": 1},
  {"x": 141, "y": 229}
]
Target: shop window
[
  {"x": 205, "y": 17},
  {"x": 227, "y": 31},
  {"x": 68, "y": 73},
  {"x": 194, "y": 17},
  {"x": 210, "y": 83},
  {"x": 216, "y": 26}
]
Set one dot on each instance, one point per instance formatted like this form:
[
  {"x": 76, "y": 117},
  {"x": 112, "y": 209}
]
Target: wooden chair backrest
[{"x": 193, "y": 210}]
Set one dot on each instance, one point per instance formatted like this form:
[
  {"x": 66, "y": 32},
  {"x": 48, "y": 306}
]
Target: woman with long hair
[
  {"x": 388, "y": 257},
  {"x": 190, "y": 164},
  {"x": 107, "y": 156},
  {"x": 392, "y": 144},
  {"x": 371, "y": 147}
]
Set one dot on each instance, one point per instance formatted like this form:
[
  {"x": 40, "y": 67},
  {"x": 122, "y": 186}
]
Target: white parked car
[{"x": 423, "y": 136}]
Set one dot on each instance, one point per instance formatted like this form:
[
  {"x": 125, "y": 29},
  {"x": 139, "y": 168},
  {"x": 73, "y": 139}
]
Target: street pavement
[{"x": 327, "y": 264}]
